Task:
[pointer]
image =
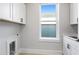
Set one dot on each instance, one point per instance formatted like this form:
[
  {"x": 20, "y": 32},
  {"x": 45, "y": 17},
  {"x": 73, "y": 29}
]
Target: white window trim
[
  {"x": 47, "y": 23},
  {"x": 49, "y": 40},
  {"x": 56, "y": 39},
  {"x": 48, "y": 3},
  {"x": 50, "y": 19}
]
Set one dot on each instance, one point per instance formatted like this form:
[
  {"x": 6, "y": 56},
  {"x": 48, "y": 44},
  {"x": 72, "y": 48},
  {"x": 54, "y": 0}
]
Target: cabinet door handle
[
  {"x": 68, "y": 46},
  {"x": 21, "y": 19}
]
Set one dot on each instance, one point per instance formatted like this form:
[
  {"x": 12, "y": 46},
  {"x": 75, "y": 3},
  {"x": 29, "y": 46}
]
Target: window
[{"x": 48, "y": 21}]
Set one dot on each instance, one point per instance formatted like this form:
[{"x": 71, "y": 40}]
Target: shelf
[{"x": 11, "y": 21}]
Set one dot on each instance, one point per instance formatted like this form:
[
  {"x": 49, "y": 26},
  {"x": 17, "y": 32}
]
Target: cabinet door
[
  {"x": 5, "y": 11},
  {"x": 66, "y": 48},
  {"x": 65, "y": 52},
  {"x": 73, "y": 13},
  {"x": 23, "y": 13},
  {"x": 78, "y": 21},
  {"x": 75, "y": 48},
  {"x": 18, "y": 12}
]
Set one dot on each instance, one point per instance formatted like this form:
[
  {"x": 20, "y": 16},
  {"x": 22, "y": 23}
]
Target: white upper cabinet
[
  {"x": 19, "y": 13},
  {"x": 5, "y": 11},
  {"x": 13, "y": 12},
  {"x": 73, "y": 13},
  {"x": 23, "y": 13}
]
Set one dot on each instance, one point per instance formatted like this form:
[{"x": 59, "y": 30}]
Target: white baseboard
[{"x": 40, "y": 51}]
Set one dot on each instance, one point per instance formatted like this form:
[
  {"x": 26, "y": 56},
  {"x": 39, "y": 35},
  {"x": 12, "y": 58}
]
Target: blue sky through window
[{"x": 50, "y": 8}]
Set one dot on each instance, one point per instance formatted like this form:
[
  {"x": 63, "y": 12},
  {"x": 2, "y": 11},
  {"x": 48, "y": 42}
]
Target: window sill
[{"x": 49, "y": 39}]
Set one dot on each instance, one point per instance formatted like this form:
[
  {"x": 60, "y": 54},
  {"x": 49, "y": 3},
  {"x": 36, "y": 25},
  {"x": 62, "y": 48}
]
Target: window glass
[
  {"x": 48, "y": 10},
  {"x": 48, "y": 30}
]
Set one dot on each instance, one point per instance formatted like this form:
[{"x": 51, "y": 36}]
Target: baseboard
[{"x": 40, "y": 51}]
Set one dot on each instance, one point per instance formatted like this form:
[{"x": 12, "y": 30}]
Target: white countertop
[{"x": 74, "y": 39}]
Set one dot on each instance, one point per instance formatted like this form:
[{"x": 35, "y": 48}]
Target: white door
[
  {"x": 73, "y": 13},
  {"x": 5, "y": 11}
]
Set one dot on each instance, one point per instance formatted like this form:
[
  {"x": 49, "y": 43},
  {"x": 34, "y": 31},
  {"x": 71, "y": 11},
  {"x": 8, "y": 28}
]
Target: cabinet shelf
[{"x": 11, "y": 21}]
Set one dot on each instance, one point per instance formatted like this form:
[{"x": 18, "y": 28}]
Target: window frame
[{"x": 51, "y": 22}]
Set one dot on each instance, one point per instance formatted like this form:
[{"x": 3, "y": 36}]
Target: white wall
[
  {"x": 64, "y": 16},
  {"x": 7, "y": 30},
  {"x": 30, "y": 35}
]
